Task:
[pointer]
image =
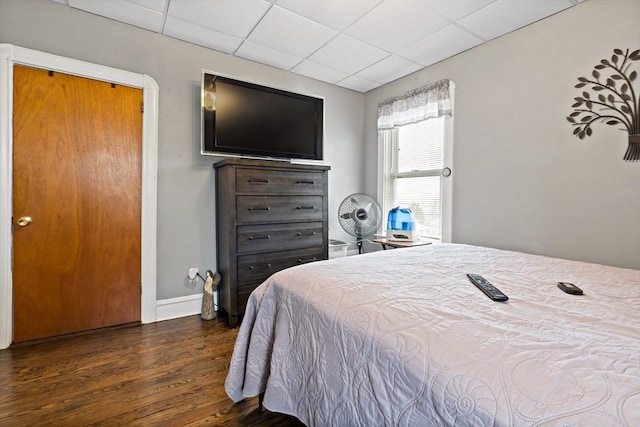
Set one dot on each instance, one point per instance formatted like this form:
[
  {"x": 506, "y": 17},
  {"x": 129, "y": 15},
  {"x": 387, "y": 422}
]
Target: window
[{"x": 413, "y": 157}]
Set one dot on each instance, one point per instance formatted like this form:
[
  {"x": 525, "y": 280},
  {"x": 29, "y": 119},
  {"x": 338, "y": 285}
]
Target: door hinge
[{"x": 142, "y": 107}]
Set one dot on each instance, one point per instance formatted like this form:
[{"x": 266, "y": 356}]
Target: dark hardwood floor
[{"x": 167, "y": 373}]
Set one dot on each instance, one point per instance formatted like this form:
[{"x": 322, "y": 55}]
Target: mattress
[{"x": 402, "y": 338}]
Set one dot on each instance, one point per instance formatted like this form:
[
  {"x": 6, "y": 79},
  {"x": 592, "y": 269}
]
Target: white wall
[
  {"x": 186, "y": 227},
  {"x": 521, "y": 179}
]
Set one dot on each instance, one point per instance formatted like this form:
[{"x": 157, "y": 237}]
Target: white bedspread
[{"x": 402, "y": 338}]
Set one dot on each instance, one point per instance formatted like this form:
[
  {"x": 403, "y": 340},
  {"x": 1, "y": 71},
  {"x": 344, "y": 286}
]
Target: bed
[{"x": 402, "y": 338}]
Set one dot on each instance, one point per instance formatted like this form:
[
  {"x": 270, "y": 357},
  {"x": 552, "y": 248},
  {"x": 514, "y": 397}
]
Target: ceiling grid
[{"x": 357, "y": 44}]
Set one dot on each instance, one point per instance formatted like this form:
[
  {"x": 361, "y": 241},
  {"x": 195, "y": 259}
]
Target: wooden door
[{"x": 77, "y": 175}]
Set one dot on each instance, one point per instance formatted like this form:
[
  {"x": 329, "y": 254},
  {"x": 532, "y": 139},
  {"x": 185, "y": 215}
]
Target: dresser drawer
[
  {"x": 255, "y": 209},
  {"x": 259, "y": 267},
  {"x": 278, "y": 237},
  {"x": 278, "y": 181},
  {"x": 244, "y": 291}
]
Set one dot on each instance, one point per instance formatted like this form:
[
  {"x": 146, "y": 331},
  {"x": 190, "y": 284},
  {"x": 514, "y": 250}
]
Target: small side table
[{"x": 400, "y": 244}]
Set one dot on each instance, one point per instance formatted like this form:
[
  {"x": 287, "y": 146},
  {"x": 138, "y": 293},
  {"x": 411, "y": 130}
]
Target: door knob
[{"x": 23, "y": 221}]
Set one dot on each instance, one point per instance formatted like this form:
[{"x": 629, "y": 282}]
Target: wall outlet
[{"x": 193, "y": 271}]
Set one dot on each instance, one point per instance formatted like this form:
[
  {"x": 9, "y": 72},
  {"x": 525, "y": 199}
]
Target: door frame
[{"x": 10, "y": 55}]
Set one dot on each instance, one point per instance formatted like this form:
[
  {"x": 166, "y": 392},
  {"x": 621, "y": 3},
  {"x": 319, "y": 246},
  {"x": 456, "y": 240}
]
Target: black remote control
[
  {"x": 570, "y": 288},
  {"x": 486, "y": 287}
]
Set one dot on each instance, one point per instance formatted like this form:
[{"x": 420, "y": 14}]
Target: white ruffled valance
[{"x": 419, "y": 104}]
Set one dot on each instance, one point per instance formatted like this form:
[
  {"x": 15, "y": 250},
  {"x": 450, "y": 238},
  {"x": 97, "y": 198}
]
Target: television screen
[{"x": 246, "y": 119}]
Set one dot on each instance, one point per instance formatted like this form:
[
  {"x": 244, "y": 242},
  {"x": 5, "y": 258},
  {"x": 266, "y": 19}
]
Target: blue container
[{"x": 401, "y": 219}]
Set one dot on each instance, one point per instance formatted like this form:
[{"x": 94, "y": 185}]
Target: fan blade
[{"x": 346, "y": 215}]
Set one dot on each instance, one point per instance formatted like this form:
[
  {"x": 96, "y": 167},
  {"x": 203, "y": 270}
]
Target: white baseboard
[{"x": 173, "y": 308}]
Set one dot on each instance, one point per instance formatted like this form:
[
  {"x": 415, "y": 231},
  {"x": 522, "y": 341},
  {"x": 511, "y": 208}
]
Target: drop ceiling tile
[
  {"x": 157, "y": 5},
  {"x": 334, "y": 14},
  {"x": 264, "y": 55},
  {"x": 456, "y": 9},
  {"x": 396, "y": 24},
  {"x": 123, "y": 11},
  {"x": 447, "y": 42},
  {"x": 344, "y": 53},
  {"x": 196, "y": 34},
  {"x": 358, "y": 44},
  {"x": 358, "y": 84},
  {"x": 504, "y": 16},
  {"x": 289, "y": 33},
  {"x": 389, "y": 69},
  {"x": 319, "y": 72},
  {"x": 234, "y": 17}
]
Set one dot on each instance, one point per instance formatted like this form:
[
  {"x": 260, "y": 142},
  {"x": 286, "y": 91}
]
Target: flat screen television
[{"x": 249, "y": 120}]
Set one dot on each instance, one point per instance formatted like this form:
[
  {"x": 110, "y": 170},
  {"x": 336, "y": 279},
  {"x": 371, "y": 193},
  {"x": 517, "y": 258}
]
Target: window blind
[{"x": 414, "y": 156}]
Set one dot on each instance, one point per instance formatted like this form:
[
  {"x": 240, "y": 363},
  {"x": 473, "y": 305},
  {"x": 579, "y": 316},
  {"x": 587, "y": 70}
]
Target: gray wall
[
  {"x": 186, "y": 227},
  {"x": 539, "y": 190},
  {"x": 521, "y": 179}
]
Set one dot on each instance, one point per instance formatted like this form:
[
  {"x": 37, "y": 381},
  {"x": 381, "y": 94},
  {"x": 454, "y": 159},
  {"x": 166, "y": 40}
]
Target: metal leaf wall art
[{"x": 614, "y": 101}]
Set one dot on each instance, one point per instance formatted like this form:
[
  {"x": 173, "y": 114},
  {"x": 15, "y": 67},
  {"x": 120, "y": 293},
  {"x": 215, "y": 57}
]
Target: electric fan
[{"x": 361, "y": 216}]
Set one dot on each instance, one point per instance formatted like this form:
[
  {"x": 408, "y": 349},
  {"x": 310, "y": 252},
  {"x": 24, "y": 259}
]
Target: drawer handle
[
  {"x": 260, "y": 267},
  {"x": 306, "y": 260},
  {"x": 305, "y": 182},
  {"x": 305, "y": 207},
  {"x": 265, "y": 237},
  {"x": 258, "y": 181},
  {"x": 260, "y": 208},
  {"x": 313, "y": 233}
]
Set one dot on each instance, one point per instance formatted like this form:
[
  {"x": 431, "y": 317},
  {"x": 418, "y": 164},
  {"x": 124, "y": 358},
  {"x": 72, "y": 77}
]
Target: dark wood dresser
[{"x": 270, "y": 216}]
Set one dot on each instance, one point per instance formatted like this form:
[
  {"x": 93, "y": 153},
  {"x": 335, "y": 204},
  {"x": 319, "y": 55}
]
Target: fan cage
[{"x": 361, "y": 216}]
